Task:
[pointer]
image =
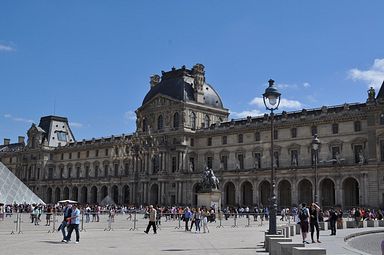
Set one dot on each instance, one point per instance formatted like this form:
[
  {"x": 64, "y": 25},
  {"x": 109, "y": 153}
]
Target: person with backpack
[
  {"x": 332, "y": 221},
  {"x": 304, "y": 222}
]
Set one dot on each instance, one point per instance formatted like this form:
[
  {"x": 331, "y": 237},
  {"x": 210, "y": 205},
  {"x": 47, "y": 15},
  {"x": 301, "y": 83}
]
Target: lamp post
[
  {"x": 315, "y": 147},
  {"x": 271, "y": 99}
]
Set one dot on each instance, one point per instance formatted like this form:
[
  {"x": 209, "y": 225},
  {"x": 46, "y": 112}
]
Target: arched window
[
  {"x": 160, "y": 122},
  {"x": 206, "y": 121},
  {"x": 176, "y": 120},
  {"x": 192, "y": 119}
]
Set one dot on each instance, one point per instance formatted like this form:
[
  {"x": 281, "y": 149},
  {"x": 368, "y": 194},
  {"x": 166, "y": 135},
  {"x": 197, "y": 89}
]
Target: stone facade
[{"x": 182, "y": 127}]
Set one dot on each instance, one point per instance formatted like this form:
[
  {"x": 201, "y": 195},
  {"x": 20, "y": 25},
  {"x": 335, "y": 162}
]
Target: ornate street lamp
[
  {"x": 271, "y": 98},
  {"x": 315, "y": 147}
]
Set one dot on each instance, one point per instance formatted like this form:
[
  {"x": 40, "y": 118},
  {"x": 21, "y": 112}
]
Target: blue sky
[{"x": 91, "y": 60}]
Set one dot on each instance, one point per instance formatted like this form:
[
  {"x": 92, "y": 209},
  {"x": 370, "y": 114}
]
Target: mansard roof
[
  {"x": 13, "y": 147},
  {"x": 179, "y": 84}
]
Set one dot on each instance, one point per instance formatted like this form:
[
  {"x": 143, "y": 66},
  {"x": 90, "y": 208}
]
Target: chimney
[
  {"x": 21, "y": 139},
  {"x": 7, "y": 141}
]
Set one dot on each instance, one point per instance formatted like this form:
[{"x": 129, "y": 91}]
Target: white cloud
[
  {"x": 76, "y": 124},
  {"x": 9, "y": 116},
  {"x": 130, "y": 115},
  {"x": 244, "y": 114},
  {"x": 286, "y": 86},
  {"x": 285, "y": 103},
  {"x": 306, "y": 85},
  {"x": 374, "y": 76},
  {"x": 4, "y": 47}
]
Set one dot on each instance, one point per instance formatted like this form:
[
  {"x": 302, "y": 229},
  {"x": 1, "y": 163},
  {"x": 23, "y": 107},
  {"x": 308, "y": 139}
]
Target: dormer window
[{"x": 62, "y": 136}]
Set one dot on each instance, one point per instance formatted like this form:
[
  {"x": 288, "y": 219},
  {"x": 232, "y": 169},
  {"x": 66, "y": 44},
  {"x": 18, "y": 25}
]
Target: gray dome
[{"x": 178, "y": 84}]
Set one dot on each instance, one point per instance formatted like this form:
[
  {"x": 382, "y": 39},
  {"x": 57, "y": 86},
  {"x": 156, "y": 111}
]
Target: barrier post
[
  {"x": 109, "y": 227},
  {"x": 134, "y": 222},
  {"x": 220, "y": 220},
  {"x": 235, "y": 221},
  {"x": 53, "y": 223},
  {"x": 248, "y": 221},
  {"x": 20, "y": 220},
  {"x": 179, "y": 227},
  {"x": 16, "y": 225},
  {"x": 82, "y": 223}
]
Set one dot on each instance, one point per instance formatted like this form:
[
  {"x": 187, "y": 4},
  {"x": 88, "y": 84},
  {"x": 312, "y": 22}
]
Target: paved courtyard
[{"x": 245, "y": 239}]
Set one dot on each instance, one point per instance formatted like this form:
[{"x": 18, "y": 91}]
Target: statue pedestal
[{"x": 209, "y": 199}]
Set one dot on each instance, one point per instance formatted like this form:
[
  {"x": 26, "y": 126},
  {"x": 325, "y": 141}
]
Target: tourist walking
[
  {"x": 67, "y": 215},
  {"x": 197, "y": 217},
  {"x": 332, "y": 221},
  {"x": 314, "y": 221},
  {"x": 186, "y": 217},
  {"x": 48, "y": 216},
  {"x": 74, "y": 224},
  {"x": 152, "y": 220},
  {"x": 205, "y": 215},
  {"x": 304, "y": 222}
]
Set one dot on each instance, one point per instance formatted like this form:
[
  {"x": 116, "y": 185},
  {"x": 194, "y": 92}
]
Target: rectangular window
[
  {"x": 224, "y": 162},
  {"x": 257, "y": 136},
  {"x": 69, "y": 172},
  {"x": 106, "y": 152},
  {"x": 97, "y": 153},
  {"x": 70, "y": 155},
  {"x": 86, "y": 172},
  {"x": 257, "y": 163},
  {"x": 240, "y": 138},
  {"x": 224, "y": 140},
  {"x": 62, "y": 156},
  {"x": 275, "y": 134},
  {"x": 78, "y": 154},
  {"x": 209, "y": 141},
  {"x": 335, "y": 128},
  {"x": 293, "y": 132},
  {"x": 126, "y": 169},
  {"x": 105, "y": 170},
  {"x": 192, "y": 142},
  {"x": 240, "y": 159},
  {"x": 50, "y": 173},
  {"x": 294, "y": 158},
  {"x": 174, "y": 164},
  {"x": 357, "y": 125},
  {"x": 62, "y": 136},
  {"x": 87, "y": 154},
  {"x": 382, "y": 150},
  {"x": 78, "y": 172},
  {"x": 116, "y": 169},
  {"x": 276, "y": 162},
  {"x": 209, "y": 162},
  {"x": 96, "y": 171},
  {"x": 314, "y": 130},
  {"x": 116, "y": 151}
]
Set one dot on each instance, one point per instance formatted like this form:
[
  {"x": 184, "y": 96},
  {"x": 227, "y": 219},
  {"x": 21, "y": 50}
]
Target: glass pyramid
[{"x": 12, "y": 190}]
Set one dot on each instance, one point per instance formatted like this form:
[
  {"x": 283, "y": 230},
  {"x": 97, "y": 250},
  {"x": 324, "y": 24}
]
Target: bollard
[
  {"x": 249, "y": 223},
  {"x": 53, "y": 223},
  {"x": 220, "y": 223},
  {"x": 109, "y": 227},
  {"x": 235, "y": 222},
  {"x": 16, "y": 225},
  {"x": 134, "y": 223},
  {"x": 179, "y": 227},
  {"x": 82, "y": 223}
]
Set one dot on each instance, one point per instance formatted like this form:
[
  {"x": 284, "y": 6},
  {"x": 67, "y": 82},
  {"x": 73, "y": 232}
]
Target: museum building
[{"x": 182, "y": 127}]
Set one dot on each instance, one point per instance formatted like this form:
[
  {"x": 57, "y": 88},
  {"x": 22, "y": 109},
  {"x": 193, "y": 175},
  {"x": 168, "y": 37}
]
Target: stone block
[
  {"x": 266, "y": 240},
  {"x": 372, "y": 223},
  {"x": 292, "y": 230},
  {"x": 381, "y": 223},
  {"x": 286, "y": 231},
  {"x": 308, "y": 251},
  {"x": 351, "y": 224},
  {"x": 298, "y": 230},
  {"x": 323, "y": 225},
  {"x": 274, "y": 247},
  {"x": 286, "y": 247}
]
